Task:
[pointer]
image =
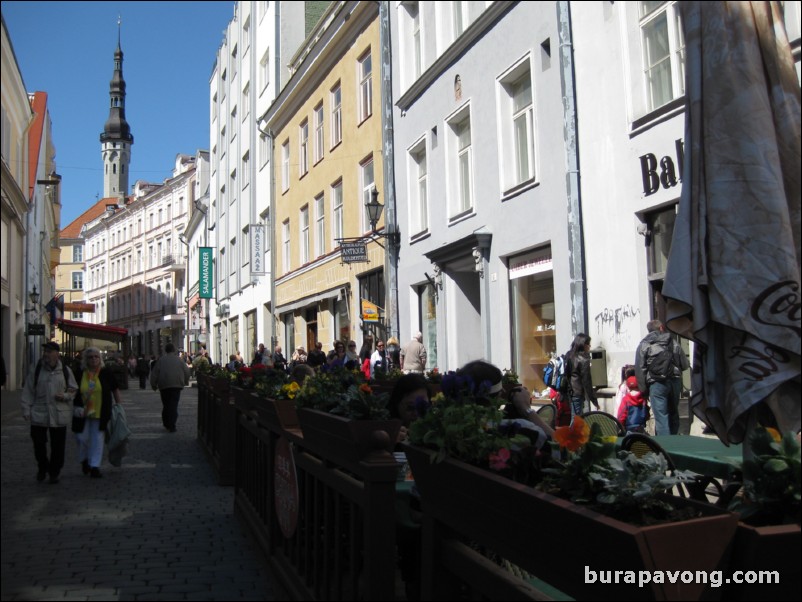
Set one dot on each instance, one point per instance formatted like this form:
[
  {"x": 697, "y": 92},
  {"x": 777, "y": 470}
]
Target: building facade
[{"x": 249, "y": 71}]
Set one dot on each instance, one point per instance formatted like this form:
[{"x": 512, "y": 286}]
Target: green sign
[{"x": 206, "y": 284}]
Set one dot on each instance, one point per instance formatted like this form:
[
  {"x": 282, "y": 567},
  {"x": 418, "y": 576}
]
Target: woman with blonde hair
[{"x": 96, "y": 389}]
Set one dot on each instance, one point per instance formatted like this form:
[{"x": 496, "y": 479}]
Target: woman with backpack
[{"x": 581, "y": 385}]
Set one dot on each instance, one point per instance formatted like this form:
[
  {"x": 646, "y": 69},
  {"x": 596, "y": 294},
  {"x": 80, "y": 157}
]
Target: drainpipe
[
  {"x": 388, "y": 158},
  {"x": 576, "y": 243}
]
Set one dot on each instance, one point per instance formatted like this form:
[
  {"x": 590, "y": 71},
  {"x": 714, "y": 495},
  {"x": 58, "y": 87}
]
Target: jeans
[
  {"x": 170, "y": 398},
  {"x": 664, "y": 399},
  {"x": 90, "y": 443},
  {"x": 58, "y": 436},
  {"x": 577, "y": 407}
]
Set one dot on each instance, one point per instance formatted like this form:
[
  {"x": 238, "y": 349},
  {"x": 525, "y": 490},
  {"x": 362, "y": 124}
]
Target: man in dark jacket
[
  {"x": 170, "y": 375},
  {"x": 659, "y": 364}
]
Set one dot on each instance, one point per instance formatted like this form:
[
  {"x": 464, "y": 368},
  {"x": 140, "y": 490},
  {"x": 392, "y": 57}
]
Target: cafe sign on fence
[{"x": 354, "y": 251}]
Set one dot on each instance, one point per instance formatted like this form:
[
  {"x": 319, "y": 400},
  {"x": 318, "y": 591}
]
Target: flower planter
[
  {"x": 569, "y": 546},
  {"x": 773, "y": 548},
  {"x": 279, "y": 414},
  {"x": 343, "y": 440}
]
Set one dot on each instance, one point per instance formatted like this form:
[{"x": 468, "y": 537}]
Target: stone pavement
[{"x": 157, "y": 528}]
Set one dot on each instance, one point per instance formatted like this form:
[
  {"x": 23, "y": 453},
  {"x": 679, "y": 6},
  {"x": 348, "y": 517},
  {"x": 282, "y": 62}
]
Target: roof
[
  {"x": 73, "y": 230},
  {"x": 35, "y": 133},
  {"x": 92, "y": 331}
]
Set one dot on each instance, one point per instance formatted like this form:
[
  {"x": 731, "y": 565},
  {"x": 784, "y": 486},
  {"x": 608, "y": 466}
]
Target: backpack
[
  {"x": 557, "y": 374},
  {"x": 659, "y": 356},
  {"x": 36, "y": 372}
]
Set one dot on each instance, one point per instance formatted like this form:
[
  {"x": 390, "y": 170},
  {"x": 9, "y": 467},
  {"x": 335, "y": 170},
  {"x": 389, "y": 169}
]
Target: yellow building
[{"x": 326, "y": 129}]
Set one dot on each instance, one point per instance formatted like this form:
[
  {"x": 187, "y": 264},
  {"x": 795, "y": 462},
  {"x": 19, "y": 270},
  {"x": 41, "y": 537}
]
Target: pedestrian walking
[
  {"x": 169, "y": 375},
  {"x": 47, "y": 404},
  {"x": 413, "y": 355},
  {"x": 659, "y": 364},
  {"x": 97, "y": 387},
  {"x": 142, "y": 371}
]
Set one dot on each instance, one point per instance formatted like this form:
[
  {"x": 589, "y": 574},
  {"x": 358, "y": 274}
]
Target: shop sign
[
  {"x": 206, "y": 282},
  {"x": 257, "y": 249},
  {"x": 354, "y": 252},
  {"x": 666, "y": 173},
  {"x": 527, "y": 264}
]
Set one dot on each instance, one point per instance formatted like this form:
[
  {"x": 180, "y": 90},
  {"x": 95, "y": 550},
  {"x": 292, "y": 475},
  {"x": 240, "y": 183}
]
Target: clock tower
[{"x": 116, "y": 139}]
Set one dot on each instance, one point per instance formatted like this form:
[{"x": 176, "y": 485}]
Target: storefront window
[
  {"x": 342, "y": 319},
  {"x": 288, "y": 320},
  {"x": 428, "y": 313},
  {"x": 234, "y": 327},
  {"x": 534, "y": 326}
]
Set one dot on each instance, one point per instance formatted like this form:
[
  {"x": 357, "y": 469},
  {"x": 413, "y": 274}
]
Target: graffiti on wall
[{"x": 619, "y": 326}]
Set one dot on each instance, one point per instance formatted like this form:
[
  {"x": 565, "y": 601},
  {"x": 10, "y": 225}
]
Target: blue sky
[{"x": 67, "y": 50}]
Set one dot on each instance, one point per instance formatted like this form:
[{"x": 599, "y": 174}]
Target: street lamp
[
  {"x": 34, "y": 297},
  {"x": 374, "y": 209}
]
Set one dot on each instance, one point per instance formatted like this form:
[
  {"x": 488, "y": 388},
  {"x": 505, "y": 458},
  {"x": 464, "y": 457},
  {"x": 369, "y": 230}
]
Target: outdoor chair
[
  {"x": 701, "y": 489},
  {"x": 610, "y": 427},
  {"x": 547, "y": 414}
]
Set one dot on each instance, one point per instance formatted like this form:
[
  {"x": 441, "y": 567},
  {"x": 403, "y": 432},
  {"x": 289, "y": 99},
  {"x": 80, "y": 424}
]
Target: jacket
[
  {"x": 581, "y": 383},
  {"x": 38, "y": 399},
  {"x": 169, "y": 372},
  {"x": 633, "y": 411},
  {"x": 107, "y": 384},
  {"x": 680, "y": 361}
]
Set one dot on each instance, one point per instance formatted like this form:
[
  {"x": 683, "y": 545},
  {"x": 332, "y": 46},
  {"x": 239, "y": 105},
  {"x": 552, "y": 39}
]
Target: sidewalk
[{"x": 157, "y": 528}]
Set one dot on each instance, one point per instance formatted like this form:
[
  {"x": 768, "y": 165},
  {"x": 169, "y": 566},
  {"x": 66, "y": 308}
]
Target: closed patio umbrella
[{"x": 733, "y": 275}]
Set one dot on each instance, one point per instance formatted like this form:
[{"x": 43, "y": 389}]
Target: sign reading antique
[
  {"x": 354, "y": 251},
  {"x": 285, "y": 495},
  {"x": 206, "y": 273},
  {"x": 257, "y": 249}
]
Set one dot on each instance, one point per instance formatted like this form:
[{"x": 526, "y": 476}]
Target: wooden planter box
[
  {"x": 775, "y": 548},
  {"x": 344, "y": 440},
  {"x": 562, "y": 543},
  {"x": 278, "y": 414}
]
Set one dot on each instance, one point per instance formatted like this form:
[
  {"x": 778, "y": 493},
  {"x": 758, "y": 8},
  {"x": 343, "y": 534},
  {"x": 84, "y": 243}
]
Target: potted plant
[
  {"x": 341, "y": 416},
  {"x": 768, "y": 535},
  {"x": 570, "y": 509}
]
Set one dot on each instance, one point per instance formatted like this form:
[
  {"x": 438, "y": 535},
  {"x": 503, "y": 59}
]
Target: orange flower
[
  {"x": 775, "y": 434},
  {"x": 573, "y": 437},
  {"x": 365, "y": 388}
]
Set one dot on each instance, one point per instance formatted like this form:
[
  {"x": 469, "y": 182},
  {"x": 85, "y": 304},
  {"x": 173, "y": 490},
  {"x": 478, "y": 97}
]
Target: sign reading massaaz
[
  {"x": 257, "y": 249},
  {"x": 206, "y": 278}
]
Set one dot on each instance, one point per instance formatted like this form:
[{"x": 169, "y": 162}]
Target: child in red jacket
[{"x": 634, "y": 409}]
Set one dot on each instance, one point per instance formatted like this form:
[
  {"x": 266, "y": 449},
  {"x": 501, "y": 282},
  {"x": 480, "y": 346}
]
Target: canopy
[
  {"x": 92, "y": 331},
  {"x": 733, "y": 275}
]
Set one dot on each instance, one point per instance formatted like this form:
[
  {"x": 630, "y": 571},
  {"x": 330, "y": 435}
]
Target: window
[
  {"x": 337, "y": 213},
  {"x": 460, "y": 167},
  {"x": 418, "y": 184},
  {"x": 233, "y": 123},
  {"x": 336, "y": 115},
  {"x": 304, "y": 235},
  {"x": 245, "y": 247},
  {"x": 264, "y": 70},
  {"x": 264, "y": 150},
  {"x": 365, "y": 87},
  {"x": 246, "y": 101},
  {"x": 285, "y": 245},
  {"x": 246, "y": 174},
  {"x": 663, "y": 50},
  {"x": 518, "y": 130},
  {"x": 368, "y": 183},
  {"x": 320, "y": 226},
  {"x": 303, "y": 148},
  {"x": 77, "y": 281},
  {"x": 77, "y": 253},
  {"x": 285, "y": 166},
  {"x": 318, "y": 133}
]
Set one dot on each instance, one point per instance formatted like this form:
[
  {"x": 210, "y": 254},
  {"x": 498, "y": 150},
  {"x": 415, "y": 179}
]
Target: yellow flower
[
  {"x": 291, "y": 390},
  {"x": 775, "y": 434},
  {"x": 573, "y": 437}
]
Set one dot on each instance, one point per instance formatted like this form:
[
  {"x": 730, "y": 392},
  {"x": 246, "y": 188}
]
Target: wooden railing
[
  {"x": 332, "y": 538},
  {"x": 216, "y": 425}
]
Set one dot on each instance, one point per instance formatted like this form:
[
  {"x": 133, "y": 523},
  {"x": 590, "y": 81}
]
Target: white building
[{"x": 248, "y": 74}]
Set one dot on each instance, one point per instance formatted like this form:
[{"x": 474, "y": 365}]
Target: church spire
[{"x": 116, "y": 139}]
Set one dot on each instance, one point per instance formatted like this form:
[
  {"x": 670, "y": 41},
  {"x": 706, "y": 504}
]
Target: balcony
[
  {"x": 174, "y": 263},
  {"x": 173, "y": 313}
]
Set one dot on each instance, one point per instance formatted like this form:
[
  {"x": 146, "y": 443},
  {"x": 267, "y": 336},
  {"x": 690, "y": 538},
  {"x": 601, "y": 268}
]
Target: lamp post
[{"x": 393, "y": 236}]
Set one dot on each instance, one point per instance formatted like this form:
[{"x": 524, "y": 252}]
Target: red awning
[{"x": 92, "y": 331}]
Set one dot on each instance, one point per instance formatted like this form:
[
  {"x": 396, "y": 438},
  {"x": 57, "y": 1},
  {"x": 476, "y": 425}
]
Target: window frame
[
  {"x": 460, "y": 199},
  {"x": 336, "y": 130},
  {"x": 418, "y": 180},
  {"x": 304, "y": 247},
  {"x": 319, "y": 144},
  {"x": 303, "y": 148},
  {"x": 320, "y": 225},
  {"x": 365, "y": 88}
]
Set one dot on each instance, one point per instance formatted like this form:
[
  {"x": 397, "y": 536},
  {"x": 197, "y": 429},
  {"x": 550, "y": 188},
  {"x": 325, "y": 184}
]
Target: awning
[
  {"x": 92, "y": 331},
  {"x": 281, "y": 309}
]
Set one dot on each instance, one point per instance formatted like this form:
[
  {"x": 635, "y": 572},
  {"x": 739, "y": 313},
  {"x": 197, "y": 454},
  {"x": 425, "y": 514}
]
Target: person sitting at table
[
  {"x": 520, "y": 412},
  {"x": 634, "y": 409},
  {"x": 409, "y": 392}
]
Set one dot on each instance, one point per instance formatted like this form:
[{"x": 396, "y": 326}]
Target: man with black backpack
[{"x": 659, "y": 364}]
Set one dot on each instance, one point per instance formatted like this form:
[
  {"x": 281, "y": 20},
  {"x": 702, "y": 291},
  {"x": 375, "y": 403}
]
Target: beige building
[
  {"x": 327, "y": 133},
  {"x": 17, "y": 115}
]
